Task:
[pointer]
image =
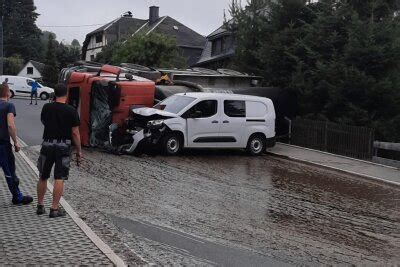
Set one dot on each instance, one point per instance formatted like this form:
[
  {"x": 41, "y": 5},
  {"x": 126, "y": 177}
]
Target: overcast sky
[{"x": 203, "y": 16}]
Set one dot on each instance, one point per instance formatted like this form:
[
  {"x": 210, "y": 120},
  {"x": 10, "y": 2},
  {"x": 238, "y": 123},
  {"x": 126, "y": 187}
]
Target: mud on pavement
[{"x": 272, "y": 208}]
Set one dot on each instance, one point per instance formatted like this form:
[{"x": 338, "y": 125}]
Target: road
[
  {"x": 226, "y": 208},
  {"x": 29, "y": 127}
]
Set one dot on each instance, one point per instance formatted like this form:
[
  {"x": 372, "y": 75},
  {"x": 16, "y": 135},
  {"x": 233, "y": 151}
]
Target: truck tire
[
  {"x": 172, "y": 144},
  {"x": 256, "y": 145},
  {"x": 12, "y": 93}
]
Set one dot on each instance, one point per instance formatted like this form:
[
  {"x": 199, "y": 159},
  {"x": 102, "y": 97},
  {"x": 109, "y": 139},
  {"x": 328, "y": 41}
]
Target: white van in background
[{"x": 22, "y": 86}]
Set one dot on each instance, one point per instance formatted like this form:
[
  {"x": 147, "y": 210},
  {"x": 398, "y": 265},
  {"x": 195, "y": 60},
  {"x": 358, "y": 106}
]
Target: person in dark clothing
[
  {"x": 7, "y": 159},
  {"x": 61, "y": 130}
]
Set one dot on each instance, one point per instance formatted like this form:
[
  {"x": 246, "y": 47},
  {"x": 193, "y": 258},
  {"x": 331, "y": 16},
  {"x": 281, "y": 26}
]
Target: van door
[
  {"x": 203, "y": 124},
  {"x": 233, "y": 123}
]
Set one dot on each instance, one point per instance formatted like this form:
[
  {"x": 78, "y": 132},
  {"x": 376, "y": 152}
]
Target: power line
[{"x": 70, "y": 26}]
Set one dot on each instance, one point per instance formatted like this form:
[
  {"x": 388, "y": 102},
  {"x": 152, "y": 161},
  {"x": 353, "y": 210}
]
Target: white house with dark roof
[
  {"x": 190, "y": 43},
  {"x": 32, "y": 69}
]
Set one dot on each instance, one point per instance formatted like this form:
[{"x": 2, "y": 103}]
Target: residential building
[
  {"x": 219, "y": 50},
  {"x": 32, "y": 69},
  {"x": 190, "y": 43}
]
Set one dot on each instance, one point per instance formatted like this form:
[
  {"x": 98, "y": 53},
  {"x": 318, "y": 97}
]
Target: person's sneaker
[
  {"x": 60, "y": 212},
  {"x": 24, "y": 201},
  {"x": 40, "y": 210}
]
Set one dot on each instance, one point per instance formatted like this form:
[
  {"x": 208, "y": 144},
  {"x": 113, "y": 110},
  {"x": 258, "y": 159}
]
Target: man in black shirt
[{"x": 61, "y": 129}]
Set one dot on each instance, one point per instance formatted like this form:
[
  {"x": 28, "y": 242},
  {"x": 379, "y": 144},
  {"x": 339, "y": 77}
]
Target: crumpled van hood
[{"x": 147, "y": 112}]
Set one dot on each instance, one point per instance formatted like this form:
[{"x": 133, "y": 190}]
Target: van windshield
[{"x": 175, "y": 103}]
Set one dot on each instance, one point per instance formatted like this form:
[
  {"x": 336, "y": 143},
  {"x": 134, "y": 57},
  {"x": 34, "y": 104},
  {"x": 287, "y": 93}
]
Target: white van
[
  {"x": 22, "y": 86},
  {"x": 205, "y": 120}
]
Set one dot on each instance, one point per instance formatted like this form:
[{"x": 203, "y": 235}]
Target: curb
[
  {"x": 340, "y": 156},
  {"x": 110, "y": 254},
  {"x": 333, "y": 168}
]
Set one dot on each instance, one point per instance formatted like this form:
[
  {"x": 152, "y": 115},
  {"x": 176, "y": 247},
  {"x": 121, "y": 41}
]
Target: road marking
[{"x": 114, "y": 258}]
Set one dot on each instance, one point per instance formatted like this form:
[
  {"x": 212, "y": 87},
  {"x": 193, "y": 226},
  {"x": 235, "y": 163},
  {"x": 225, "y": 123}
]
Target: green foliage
[
  {"x": 67, "y": 54},
  {"x": 106, "y": 54},
  {"x": 341, "y": 57},
  {"x": 21, "y": 35},
  {"x": 13, "y": 64},
  {"x": 75, "y": 43},
  {"x": 50, "y": 73},
  {"x": 149, "y": 50}
]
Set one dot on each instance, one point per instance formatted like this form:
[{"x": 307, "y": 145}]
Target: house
[
  {"x": 219, "y": 50},
  {"x": 190, "y": 43},
  {"x": 32, "y": 69}
]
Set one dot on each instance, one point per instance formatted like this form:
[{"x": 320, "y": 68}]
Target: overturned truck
[{"x": 107, "y": 97}]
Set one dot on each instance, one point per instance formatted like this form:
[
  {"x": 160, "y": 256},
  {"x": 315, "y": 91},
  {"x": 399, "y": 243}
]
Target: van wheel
[
  {"x": 256, "y": 145},
  {"x": 12, "y": 94},
  {"x": 44, "y": 96},
  {"x": 172, "y": 144}
]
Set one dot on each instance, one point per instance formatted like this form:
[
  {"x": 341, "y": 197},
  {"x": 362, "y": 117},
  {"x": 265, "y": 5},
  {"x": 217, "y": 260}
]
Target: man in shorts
[
  {"x": 7, "y": 159},
  {"x": 61, "y": 130}
]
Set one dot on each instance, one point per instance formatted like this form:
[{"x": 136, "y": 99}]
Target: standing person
[
  {"x": 5, "y": 81},
  {"x": 7, "y": 159},
  {"x": 34, "y": 93},
  {"x": 61, "y": 129}
]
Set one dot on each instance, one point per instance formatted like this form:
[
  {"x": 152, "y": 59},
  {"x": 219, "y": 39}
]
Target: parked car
[
  {"x": 200, "y": 120},
  {"x": 22, "y": 86}
]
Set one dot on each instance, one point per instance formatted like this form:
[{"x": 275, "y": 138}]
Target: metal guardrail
[{"x": 386, "y": 146}]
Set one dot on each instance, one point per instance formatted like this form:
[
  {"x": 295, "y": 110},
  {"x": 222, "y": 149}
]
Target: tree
[
  {"x": 21, "y": 35},
  {"x": 67, "y": 54},
  {"x": 106, "y": 54},
  {"x": 13, "y": 64},
  {"x": 75, "y": 43},
  {"x": 150, "y": 50},
  {"x": 50, "y": 73},
  {"x": 341, "y": 57}
]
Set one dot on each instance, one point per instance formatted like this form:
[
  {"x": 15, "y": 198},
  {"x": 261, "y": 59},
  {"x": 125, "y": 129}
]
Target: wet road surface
[
  {"x": 29, "y": 126},
  {"x": 279, "y": 210}
]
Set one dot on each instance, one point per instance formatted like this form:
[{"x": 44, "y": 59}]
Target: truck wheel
[
  {"x": 44, "y": 96},
  {"x": 12, "y": 94},
  {"x": 172, "y": 144},
  {"x": 256, "y": 145}
]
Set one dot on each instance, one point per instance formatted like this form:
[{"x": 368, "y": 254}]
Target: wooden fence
[{"x": 351, "y": 141}]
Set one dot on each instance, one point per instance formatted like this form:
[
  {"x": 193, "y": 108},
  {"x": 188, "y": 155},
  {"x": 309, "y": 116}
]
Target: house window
[
  {"x": 99, "y": 38},
  {"x": 91, "y": 57},
  {"x": 219, "y": 46},
  {"x": 29, "y": 70}
]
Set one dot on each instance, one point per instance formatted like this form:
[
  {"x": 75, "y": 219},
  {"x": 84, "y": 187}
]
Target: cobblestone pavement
[{"x": 26, "y": 238}]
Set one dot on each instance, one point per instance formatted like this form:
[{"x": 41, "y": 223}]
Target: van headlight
[{"x": 155, "y": 124}]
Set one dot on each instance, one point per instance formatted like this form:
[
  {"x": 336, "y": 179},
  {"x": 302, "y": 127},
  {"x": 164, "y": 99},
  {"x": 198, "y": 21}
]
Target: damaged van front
[{"x": 148, "y": 127}]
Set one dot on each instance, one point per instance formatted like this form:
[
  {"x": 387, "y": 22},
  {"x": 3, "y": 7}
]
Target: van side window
[
  {"x": 235, "y": 108},
  {"x": 29, "y": 82},
  {"x": 208, "y": 108}
]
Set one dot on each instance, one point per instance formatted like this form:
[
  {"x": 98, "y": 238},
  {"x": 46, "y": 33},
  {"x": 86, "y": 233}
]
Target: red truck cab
[{"x": 103, "y": 96}]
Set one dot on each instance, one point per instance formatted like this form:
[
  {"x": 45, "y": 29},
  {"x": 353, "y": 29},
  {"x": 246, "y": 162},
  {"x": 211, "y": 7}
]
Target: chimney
[{"x": 154, "y": 14}]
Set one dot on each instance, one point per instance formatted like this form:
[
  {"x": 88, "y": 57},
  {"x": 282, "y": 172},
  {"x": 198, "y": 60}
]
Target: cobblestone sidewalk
[{"x": 26, "y": 238}]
